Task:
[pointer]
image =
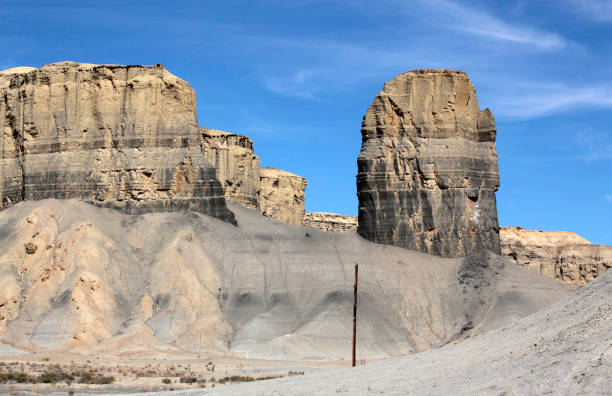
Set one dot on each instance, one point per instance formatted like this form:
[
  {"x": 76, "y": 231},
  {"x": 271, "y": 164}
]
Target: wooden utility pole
[{"x": 355, "y": 312}]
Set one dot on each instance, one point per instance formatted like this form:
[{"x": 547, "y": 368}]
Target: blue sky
[{"x": 297, "y": 76}]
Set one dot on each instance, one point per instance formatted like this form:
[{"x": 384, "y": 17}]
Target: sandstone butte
[
  {"x": 427, "y": 171},
  {"x": 126, "y": 137}
]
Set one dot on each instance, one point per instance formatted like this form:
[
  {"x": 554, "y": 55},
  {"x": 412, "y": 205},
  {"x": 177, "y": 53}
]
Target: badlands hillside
[
  {"x": 565, "y": 349},
  {"x": 74, "y": 275},
  {"x": 561, "y": 255},
  {"x": 127, "y": 228}
]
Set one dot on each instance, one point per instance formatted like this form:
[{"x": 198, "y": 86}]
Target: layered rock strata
[
  {"x": 281, "y": 195},
  {"x": 330, "y": 222},
  {"x": 564, "y": 256},
  {"x": 427, "y": 171},
  {"x": 124, "y": 137},
  {"x": 236, "y": 163}
]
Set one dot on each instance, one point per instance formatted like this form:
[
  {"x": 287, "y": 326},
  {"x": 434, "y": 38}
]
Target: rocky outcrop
[
  {"x": 330, "y": 222},
  {"x": 273, "y": 192},
  {"x": 236, "y": 163},
  {"x": 427, "y": 171},
  {"x": 281, "y": 195},
  {"x": 124, "y": 137},
  {"x": 564, "y": 256}
]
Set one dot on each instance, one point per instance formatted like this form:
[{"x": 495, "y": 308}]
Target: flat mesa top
[
  {"x": 538, "y": 236},
  {"x": 65, "y": 65},
  {"x": 273, "y": 172},
  {"x": 435, "y": 71},
  {"x": 214, "y": 132}
]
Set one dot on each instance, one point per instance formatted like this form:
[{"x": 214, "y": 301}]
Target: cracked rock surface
[
  {"x": 560, "y": 255},
  {"x": 281, "y": 195},
  {"x": 427, "y": 171},
  {"x": 117, "y": 136}
]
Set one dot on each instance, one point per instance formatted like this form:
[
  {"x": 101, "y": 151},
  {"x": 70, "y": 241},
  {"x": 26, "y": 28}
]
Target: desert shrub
[
  {"x": 51, "y": 377},
  {"x": 236, "y": 378},
  {"x": 166, "y": 381},
  {"x": 267, "y": 377},
  {"x": 88, "y": 378},
  {"x": 15, "y": 377},
  {"x": 189, "y": 380}
]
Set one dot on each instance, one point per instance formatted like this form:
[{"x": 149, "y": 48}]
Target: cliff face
[
  {"x": 330, "y": 222},
  {"x": 281, "y": 195},
  {"x": 564, "y": 256},
  {"x": 117, "y": 136},
  {"x": 273, "y": 192},
  {"x": 236, "y": 163},
  {"x": 427, "y": 171}
]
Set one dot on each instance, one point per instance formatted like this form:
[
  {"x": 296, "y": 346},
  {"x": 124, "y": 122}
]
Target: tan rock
[
  {"x": 118, "y": 136},
  {"x": 236, "y": 163},
  {"x": 427, "y": 170},
  {"x": 281, "y": 195},
  {"x": 330, "y": 222},
  {"x": 560, "y": 255}
]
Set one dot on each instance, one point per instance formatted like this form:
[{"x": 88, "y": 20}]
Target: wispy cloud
[
  {"x": 608, "y": 197},
  {"x": 302, "y": 84},
  {"x": 535, "y": 100},
  {"x": 312, "y": 67},
  {"x": 454, "y": 15},
  {"x": 599, "y": 10},
  {"x": 477, "y": 22},
  {"x": 596, "y": 145}
]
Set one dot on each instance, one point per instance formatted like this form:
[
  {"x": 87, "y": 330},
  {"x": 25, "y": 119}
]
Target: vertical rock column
[{"x": 427, "y": 171}]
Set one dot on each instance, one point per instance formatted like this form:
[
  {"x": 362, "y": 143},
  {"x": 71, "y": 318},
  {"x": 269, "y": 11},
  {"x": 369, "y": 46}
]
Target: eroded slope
[{"x": 75, "y": 275}]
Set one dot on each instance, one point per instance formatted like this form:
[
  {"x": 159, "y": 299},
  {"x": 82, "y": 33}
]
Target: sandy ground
[
  {"x": 93, "y": 290},
  {"x": 565, "y": 349},
  {"x": 144, "y": 373}
]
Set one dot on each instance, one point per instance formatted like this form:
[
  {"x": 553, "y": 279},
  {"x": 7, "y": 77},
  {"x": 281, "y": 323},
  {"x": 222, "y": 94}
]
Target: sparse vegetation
[
  {"x": 22, "y": 375},
  {"x": 240, "y": 378},
  {"x": 55, "y": 375}
]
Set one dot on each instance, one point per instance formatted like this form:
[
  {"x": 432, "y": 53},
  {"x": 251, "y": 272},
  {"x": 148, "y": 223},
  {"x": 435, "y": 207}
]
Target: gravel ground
[{"x": 565, "y": 349}]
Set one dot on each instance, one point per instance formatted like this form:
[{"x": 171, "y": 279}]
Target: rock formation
[
  {"x": 427, "y": 171},
  {"x": 236, "y": 163},
  {"x": 124, "y": 137},
  {"x": 330, "y": 222},
  {"x": 281, "y": 195},
  {"x": 564, "y": 256}
]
